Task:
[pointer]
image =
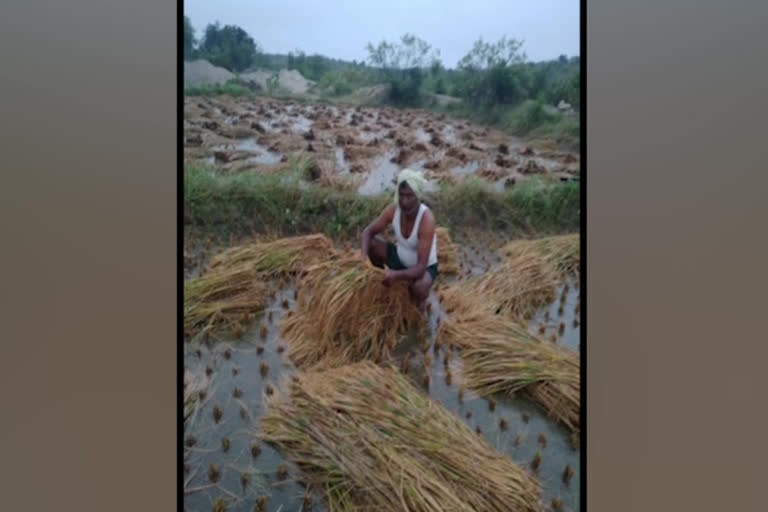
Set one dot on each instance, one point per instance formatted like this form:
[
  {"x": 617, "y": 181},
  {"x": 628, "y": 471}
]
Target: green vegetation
[
  {"x": 226, "y": 46},
  {"x": 316, "y": 66},
  {"x": 189, "y": 39},
  {"x": 245, "y": 201},
  {"x": 229, "y": 47},
  {"x": 343, "y": 82},
  {"x": 233, "y": 87},
  {"x": 402, "y": 66},
  {"x": 530, "y": 119}
]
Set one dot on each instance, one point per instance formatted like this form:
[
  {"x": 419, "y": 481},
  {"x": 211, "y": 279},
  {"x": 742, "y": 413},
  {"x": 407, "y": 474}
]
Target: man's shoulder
[
  {"x": 389, "y": 210},
  {"x": 428, "y": 214}
]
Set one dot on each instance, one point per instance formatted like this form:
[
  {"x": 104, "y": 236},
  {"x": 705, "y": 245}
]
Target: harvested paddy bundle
[
  {"x": 284, "y": 256},
  {"x": 446, "y": 252},
  {"x": 500, "y": 356},
  {"x": 519, "y": 287},
  {"x": 373, "y": 442},
  {"x": 233, "y": 288},
  {"x": 561, "y": 252},
  {"x": 221, "y": 300},
  {"x": 345, "y": 314}
]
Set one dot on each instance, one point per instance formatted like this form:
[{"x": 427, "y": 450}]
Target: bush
[
  {"x": 405, "y": 87},
  {"x": 531, "y": 116}
]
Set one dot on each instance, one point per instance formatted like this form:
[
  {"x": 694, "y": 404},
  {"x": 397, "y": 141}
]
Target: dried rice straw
[
  {"x": 373, "y": 442},
  {"x": 560, "y": 252},
  {"x": 446, "y": 252},
  {"x": 500, "y": 356},
  {"x": 345, "y": 315}
]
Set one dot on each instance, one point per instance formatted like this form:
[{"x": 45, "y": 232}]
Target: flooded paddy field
[
  {"x": 366, "y": 145},
  {"x": 227, "y": 464}
]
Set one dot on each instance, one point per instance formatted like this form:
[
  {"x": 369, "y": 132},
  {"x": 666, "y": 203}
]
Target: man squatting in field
[{"x": 414, "y": 257}]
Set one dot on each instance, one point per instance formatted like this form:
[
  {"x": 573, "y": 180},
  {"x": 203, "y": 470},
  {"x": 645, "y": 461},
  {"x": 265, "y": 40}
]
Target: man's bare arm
[{"x": 374, "y": 228}]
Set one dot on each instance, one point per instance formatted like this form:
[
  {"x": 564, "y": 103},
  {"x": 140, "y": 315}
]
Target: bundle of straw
[
  {"x": 345, "y": 314},
  {"x": 447, "y": 255},
  {"x": 560, "y": 252},
  {"x": 285, "y": 256},
  {"x": 373, "y": 442},
  {"x": 221, "y": 300},
  {"x": 518, "y": 288},
  {"x": 501, "y": 356}
]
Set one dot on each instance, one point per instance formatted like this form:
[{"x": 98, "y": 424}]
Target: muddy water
[
  {"x": 421, "y": 135},
  {"x": 383, "y": 173},
  {"x": 240, "y": 431},
  {"x": 342, "y": 166},
  {"x": 380, "y": 178},
  {"x": 552, "y": 316},
  {"x": 262, "y": 155},
  {"x": 524, "y": 419},
  {"x": 468, "y": 168}
]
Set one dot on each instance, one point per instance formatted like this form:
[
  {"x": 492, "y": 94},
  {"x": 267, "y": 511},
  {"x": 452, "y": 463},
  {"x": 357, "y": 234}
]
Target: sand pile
[{"x": 201, "y": 72}]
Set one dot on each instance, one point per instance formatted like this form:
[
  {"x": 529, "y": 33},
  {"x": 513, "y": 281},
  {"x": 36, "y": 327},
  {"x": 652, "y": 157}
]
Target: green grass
[
  {"x": 233, "y": 88},
  {"x": 529, "y": 120},
  {"x": 246, "y": 202}
]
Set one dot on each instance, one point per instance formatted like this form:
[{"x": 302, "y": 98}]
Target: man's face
[{"x": 408, "y": 200}]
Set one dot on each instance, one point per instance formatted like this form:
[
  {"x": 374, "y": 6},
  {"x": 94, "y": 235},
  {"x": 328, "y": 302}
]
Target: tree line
[{"x": 490, "y": 74}]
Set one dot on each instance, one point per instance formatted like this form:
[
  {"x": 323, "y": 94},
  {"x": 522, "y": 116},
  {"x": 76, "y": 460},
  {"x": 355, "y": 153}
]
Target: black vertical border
[{"x": 583, "y": 252}]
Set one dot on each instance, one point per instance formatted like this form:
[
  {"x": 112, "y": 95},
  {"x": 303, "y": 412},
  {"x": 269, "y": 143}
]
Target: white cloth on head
[{"x": 415, "y": 180}]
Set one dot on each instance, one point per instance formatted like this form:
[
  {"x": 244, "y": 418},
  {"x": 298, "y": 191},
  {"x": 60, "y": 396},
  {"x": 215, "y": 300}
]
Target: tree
[
  {"x": 403, "y": 65},
  {"x": 494, "y": 73},
  {"x": 505, "y": 52},
  {"x": 189, "y": 39},
  {"x": 412, "y": 52},
  {"x": 229, "y": 47}
]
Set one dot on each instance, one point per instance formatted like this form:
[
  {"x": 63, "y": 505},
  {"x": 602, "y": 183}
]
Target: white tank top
[{"x": 408, "y": 248}]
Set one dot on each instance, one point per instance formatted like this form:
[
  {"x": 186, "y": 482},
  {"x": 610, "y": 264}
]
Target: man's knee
[
  {"x": 377, "y": 252},
  {"x": 421, "y": 288}
]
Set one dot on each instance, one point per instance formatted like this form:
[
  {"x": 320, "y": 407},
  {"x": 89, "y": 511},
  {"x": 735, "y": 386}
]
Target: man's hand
[{"x": 388, "y": 279}]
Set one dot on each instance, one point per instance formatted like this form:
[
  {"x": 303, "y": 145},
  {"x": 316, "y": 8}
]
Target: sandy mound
[
  {"x": 290, "y": 80},
  {"x": 202, "y": 72},
  {"x": 443, "y": 100},
  {"x": 257, "y": 78},
  {"x": 294, "y": 81}
]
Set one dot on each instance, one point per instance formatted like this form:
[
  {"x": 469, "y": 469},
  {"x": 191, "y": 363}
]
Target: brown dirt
[
  {"x": 357, "y": 152},
  {"x": 195, "y": 140},
  {"x": 402, "y": 157},
  {"x": 493, "y": 173},
  {"x": 236, "y": 132},
  {"x": 531, "y": 167},
  {"x": 456, "y": 153},
  {"x": 504, "y": 162}
]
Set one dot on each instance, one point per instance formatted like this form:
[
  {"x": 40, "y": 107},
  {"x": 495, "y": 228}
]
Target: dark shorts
[{"x": 394, "y": 263}]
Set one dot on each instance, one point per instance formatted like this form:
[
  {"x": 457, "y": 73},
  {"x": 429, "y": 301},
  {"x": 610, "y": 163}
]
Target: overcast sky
[{"x": 341, "y": 28}]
